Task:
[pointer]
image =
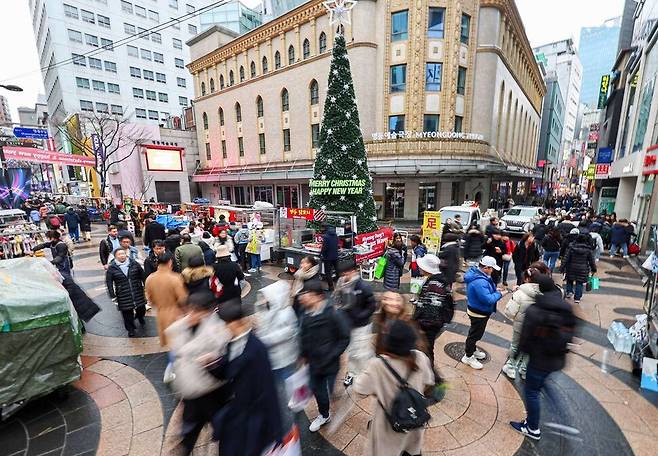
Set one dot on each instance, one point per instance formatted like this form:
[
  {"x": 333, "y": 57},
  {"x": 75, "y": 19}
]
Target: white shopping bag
[
  {"x": 298, "y": 389},
  {"x": 416, "y": 284}
]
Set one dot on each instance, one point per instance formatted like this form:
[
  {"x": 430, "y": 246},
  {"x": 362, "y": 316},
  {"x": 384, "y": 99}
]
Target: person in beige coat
[
  {"x": 166, "y": 292},
  {"x": 376, "y": 380}
]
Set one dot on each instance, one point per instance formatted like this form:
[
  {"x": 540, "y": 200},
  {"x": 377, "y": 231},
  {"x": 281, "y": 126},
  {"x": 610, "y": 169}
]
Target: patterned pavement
[{"x": 121, "y": 407}]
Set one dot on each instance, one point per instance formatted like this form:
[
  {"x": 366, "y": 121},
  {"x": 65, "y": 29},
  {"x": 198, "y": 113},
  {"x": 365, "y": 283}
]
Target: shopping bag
[
  {"x": 291, "y": 445},
  {"x": 593, "y": 283},
  {"x": 649, "y": 379},
  {"x": 416, "y": 284},
  {"x": 381, "y": 266},
  {"x": 298, "y": 389}
]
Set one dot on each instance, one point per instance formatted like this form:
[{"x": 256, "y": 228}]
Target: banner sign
[
  {"x": 603, "y": 91},
  {"x": 43, "y": 156},
  {"x": 376, "y": 240},
  {"x": 97, "y": 146},
  {"x": 432, "y": 230},
  {"x": 383, "y": 136},
  {"x": 337, "y": 186},
  {"x": 604, "y": 155},
  {"x": 34, "y": 133},
  {"x": 305, "y": 213}
]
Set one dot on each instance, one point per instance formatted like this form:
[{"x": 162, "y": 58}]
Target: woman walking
[
  {"x": 577, "y": 265},
  {"x": 551, "y": 244},
  {"x": 526, "y": 253},
  {"x": 398, "y": 359},
  {"x": 309, "y": 270},
  {"x": 125, "y": 283},
  {"x": 394, "y": 265}
]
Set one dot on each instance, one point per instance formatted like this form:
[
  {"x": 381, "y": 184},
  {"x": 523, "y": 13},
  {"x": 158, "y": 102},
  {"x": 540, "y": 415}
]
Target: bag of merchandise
[
  {"x": 381, "y": 266},
  {"x": 416, "y": 284},
  {"x": 298, "y": 389}
]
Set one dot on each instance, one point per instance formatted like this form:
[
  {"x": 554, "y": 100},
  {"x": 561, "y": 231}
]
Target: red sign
[
  {"x": 44, "y": 156},
  {"x": 650, "y": 164},
  {"x": 305, "y": 213},
  {"x": 377, "y": 240},
  {"x": 602, "y": 169}
]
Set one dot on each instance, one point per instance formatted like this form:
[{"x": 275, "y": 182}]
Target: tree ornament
[
  {"x": 343, "y": 147},
  {"x": 323, "y": 177},
  {"x": 342, "y": 198},
  {"x": 329, "y": 131},
  {"x": 330, "y": 161},
  {"x": 360, "y": 205},
  {"x": 359, "y": 162},
  {"x": 333, "y": 99},
  {"x": 340, "y": 11}
]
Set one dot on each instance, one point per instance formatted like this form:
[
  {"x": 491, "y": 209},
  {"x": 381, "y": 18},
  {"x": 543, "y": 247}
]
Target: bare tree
[
  {"x": 139, "y": 186},
  {"x": 109, "y": 138}
]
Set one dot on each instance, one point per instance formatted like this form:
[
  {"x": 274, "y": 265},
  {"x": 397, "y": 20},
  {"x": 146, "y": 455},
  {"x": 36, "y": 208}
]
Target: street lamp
[{"x": 12, "y": 88}]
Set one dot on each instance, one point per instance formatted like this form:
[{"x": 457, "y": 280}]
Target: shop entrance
[
  {"x": 287, "y": 195},
  {"x": 394, "y": 200},
  {"x": 168, "y": 192},
  {"x": 426, "y": 198}
]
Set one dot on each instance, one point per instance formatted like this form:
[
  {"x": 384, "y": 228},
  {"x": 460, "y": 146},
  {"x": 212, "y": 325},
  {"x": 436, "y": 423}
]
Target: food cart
[{"x": 40, "y": 338}]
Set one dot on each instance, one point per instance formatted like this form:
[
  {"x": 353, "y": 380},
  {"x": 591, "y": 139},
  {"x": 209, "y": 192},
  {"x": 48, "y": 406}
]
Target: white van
[{"x": 467, "y": 213}]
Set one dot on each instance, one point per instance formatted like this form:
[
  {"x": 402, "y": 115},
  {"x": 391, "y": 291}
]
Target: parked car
[
  {"x": 521, "y": 219},
  {"x": 468, "y": 214},
  {"x": 201, "y": 200}
]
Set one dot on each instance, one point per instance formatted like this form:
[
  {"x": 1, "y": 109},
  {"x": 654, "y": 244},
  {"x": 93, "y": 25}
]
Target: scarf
[
  {"x": 123, "y": 266},
  {"x": 300, "y": 277}
]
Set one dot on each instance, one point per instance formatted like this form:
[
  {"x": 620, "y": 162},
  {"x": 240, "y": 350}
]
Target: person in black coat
[
  {"x": 250, "y": 423},
  {"x": 567, "y": 241},
  {"x": 525, "y": 253},
  {"x": 495, "y": 247},
  {"x": 565, "y": 226},
  {"x": 125, "y": 283},
  {"x": 449, "y": 256},
  {"x": 208, "y": 253},
  {"x": 578, "y": 263},
  {"x": 85, "y": 223},
  {"x": 548, "y": 327},
  {"x": 59, "y": 251},
  {"x": 329, "y": 254},
  {"x": 540, "y": 230},
  {"x": 151, "y": 261},
  {"x": 229, "y": 275},
  {"x": 172, "y": 242},
  {"x": 72, "y": 220},
  {"x": 324, "y": 336},
  {"x": 197, "y": 275},
  {"x": 108, "y": 245},
  {"x": 474, "y": 242},
  {"x": 153, "y": 231}
]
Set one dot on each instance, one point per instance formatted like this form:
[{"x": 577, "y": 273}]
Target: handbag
[
  {"x": 298, "y": 389},
  {"x": 416, "y": 284},
  {"x": 381, "y": 266},
  {"x": 507, "y": 257}
]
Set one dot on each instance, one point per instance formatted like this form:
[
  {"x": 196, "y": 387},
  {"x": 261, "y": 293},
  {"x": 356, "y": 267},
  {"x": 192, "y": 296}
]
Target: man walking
[
  {"x": 108, "y": 245},
  {"x": 482, "y": 298},
  {"x": 73, "y": 224},
  {"x": 186, "y": 251},
  {"x": 329, "y": 254}
]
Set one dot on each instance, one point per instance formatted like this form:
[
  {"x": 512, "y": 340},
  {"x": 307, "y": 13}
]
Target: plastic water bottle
[{"x": 604, "y": 362}]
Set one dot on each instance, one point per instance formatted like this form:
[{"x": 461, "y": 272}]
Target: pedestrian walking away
[
  {"x": 72, "y": 220},
  {"x": 482, "y": 298},
  {"x": 577, "y": 266},
  {"x": 354, "y": 297},
  {"x": 394, "y": 266},
  {"x": 329, "y": 254},
  {"x": 228, "y": 277}
]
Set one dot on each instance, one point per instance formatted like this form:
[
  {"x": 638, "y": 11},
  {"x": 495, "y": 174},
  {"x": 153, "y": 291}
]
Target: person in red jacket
[{"x": 507, "y": 256}]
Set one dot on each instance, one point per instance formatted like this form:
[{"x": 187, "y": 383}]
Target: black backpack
[{"x": 409, "y": 408}]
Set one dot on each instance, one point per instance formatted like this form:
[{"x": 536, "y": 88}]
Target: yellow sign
[
  {"x": 591, "y": 172},
  {"x": 432, "y": 230}
]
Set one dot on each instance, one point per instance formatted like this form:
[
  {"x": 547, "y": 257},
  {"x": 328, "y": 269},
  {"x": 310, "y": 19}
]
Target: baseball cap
[{"x": 489, "y": 262}]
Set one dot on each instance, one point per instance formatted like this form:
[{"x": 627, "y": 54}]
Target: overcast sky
[{"x": 544, "y": 23}]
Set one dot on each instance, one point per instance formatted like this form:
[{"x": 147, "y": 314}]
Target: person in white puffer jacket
[
  {"x": 276, "y": 326},
  {"x": 524, "y": 296}
]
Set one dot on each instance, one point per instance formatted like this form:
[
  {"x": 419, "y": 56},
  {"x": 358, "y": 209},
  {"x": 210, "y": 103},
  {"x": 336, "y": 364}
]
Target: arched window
[
  {"x": 212, "y": 85},
  {"x": 205, "y": 121},
  {"x": 323, "y": 42},
  {"x": 285, "y": 103},
  {"x": 291, "y": 54},
  {"x": 231, "y": 78},
  {"x": 241, "y": 73},
  {"x": 221, "y": 117},
  {"x": 203, "y": 88},
  {"x": 259, "y": 106},
  {"x": 501, "y": 102},
  {"x": 238, "y": 112},
  {"x": 306, "y": 48},
  {"x": 315, "y": 92},
  {"x": 264, "y": 65},
  {"x": 252, "y": 69},
  {"x": 221, "y": 82},
  {"x": 277, "y": 60}
]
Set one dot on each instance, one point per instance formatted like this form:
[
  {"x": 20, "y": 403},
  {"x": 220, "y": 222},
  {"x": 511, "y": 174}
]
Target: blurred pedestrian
[
  {"x": 199, "y": 333},
  {"x": 329, "y": 254},
  {"x": 251, "y": 421},
  {"x": 619, "y": 238},
  {"x": 309, "y": 270},
  {"x": 164, "y": 290},
  {"x": 382, "y": 379},
  {"x": 354, "y": 297},
  {"x": 482, "y": 299},
  {"x": 548, "y": 328},
  {"x": 525, "y": 253},
  {"x": 229, "y": 275},
  {"x": 474, "y": 242},
  {"x": 125, "y": 283},
  {"x": 208, "y": 252},
  {"x": 449, "y": 256},
  {"x": 186, "y": 251},
  {"x": 58, "y": 250},
  {"x": 393, "y": 307},
  {"x": 324, "y": 336},
  {"x": 241, "y": 239},
  {"x": 72, "y": 220},
  {"x": 551, "y": 245},
  {"x": 418, "y": 250},
  {"x": 496, "y": 248},
  {"x": 153, "y": 231},
  {"x": 85, "y": 223},
  {"x": 197, "y": 275},
  {"x": 507, "y": 256}
]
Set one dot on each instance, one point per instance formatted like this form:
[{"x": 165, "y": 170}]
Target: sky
[{"x": 20, "y": 64}]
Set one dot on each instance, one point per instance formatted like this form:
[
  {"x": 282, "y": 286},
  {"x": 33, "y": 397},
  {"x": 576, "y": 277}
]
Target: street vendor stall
[
  {"x": 18, "y": 235},
  {"x": 40, "y": 338}
]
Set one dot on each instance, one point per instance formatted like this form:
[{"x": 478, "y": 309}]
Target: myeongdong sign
[{"x": 384, "y": 136}]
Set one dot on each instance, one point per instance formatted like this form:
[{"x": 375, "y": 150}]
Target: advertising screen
[{"x": 158, "y": 159}]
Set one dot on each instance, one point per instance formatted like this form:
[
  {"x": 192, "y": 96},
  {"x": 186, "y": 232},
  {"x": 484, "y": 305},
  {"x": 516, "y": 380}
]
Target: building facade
[
  {"x": 91, "y": 63},
  {"x": 234, "y": 16},
  {"x": 598, "y": 51},
  {"x": 5, "y": 114},
  {"x": 550, "y": 136},
  {"x": 449, "y": 99},
  {"x": 274, "y": 8},
  {"x": 38, "y": 115}
]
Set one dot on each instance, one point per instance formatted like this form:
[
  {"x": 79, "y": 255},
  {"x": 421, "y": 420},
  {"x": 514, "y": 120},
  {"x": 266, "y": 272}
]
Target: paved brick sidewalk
[{"x": 125, "y": 409}]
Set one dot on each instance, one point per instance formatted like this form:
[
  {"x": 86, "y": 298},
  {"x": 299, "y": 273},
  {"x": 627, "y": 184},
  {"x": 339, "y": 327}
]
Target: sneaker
[
  {"x": 625, "y": 256},
  {"x": 246, "y": 274},
  {"x": 479, "y": 354},
  {"x": 252, "y": 270},
  {"x": 169, "y": 375},
  {"x": 348, "y": 380},
  {"x": 510, "y": 371},
  {"x": 318, "y": 422},
  {"x": 472, "y": 361},
  {"x": 522, "y": 427},
  {"x": 577, "y": 301}
]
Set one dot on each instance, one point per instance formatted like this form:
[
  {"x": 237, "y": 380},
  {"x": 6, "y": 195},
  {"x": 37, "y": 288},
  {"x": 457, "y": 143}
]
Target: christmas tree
[{"x": 341, "y": 179}]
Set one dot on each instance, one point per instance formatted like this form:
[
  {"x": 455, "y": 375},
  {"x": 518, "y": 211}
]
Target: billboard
[
  {"x": 162, "y": 158},
  {"x": 604, "y": 155},
  {"x": 15, "y": 187}
]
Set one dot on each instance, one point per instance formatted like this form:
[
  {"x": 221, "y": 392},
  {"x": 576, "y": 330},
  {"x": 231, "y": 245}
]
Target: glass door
[
  {"x": 426, "y": 198},
  {"x": 394, "y": 200}
]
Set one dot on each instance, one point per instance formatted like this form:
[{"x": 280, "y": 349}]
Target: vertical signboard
[{"x": 603, "y": 91}]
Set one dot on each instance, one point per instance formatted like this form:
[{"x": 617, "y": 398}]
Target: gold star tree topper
[{"x": 340, "y": 11}]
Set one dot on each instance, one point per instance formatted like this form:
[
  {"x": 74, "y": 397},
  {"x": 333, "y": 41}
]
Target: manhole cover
[
  {"x": 625, "y": 274},
  {"x": 455, "y": 350}
]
